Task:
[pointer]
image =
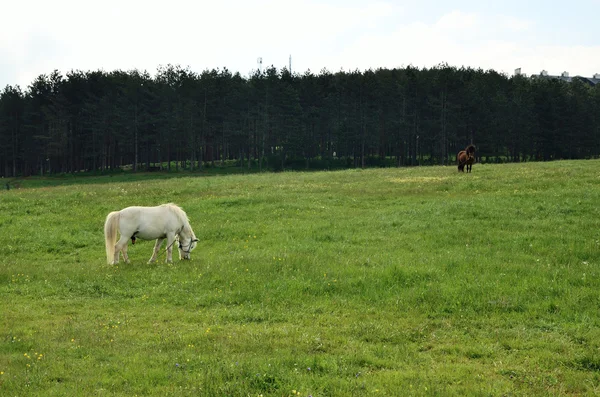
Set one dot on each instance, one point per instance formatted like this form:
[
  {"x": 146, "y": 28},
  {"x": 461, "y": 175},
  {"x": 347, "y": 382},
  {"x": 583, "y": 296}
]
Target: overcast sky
[{"x": 39, "y": 36}]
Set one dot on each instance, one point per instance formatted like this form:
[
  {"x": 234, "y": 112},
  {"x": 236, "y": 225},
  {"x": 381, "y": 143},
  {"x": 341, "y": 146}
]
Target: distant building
[
  {"x": 591, "y": 80},
  {"x": 564, "y": 76}
]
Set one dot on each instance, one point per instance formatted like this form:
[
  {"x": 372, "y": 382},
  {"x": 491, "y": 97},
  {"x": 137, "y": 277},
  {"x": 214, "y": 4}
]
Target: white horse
[{"x": 166, "y": 221}]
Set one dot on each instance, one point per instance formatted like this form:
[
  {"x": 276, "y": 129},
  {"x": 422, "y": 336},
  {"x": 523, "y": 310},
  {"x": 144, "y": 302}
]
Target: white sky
[{"x": 38, "y": 36}]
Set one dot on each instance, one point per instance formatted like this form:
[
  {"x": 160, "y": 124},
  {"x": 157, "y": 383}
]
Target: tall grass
[{"x": 412, "y": 281}]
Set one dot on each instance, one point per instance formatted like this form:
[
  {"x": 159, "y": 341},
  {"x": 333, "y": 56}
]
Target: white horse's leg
[
  {"x": 121, "y": 245},
  {"x": 156, "y": 250},
  {"x": 170, "y": 242},
  {"x": 124, "y": 251}
]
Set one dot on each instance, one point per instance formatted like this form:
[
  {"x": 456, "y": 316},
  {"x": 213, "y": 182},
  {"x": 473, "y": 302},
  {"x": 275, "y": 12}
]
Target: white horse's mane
[{"x": 181, "y": 215}]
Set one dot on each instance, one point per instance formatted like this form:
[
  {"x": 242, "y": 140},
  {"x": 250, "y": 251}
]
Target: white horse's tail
[{"x": 110, "y": 235}]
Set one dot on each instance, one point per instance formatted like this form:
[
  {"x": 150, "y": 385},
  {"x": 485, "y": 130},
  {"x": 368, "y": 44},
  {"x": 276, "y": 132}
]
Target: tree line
[{"x": 273, "y": 119}]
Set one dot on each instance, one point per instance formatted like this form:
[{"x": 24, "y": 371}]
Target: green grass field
[{"x": 379, "y": 282}]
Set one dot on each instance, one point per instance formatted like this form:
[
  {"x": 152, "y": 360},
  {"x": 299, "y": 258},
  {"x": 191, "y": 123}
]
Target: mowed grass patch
[{"x": 412, "y": 281}]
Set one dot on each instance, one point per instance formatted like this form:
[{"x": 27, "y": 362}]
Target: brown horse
[{"x": 466, "y": 157}]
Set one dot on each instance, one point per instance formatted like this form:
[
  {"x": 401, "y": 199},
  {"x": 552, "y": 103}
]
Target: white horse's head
[{"x": 186, "y": 245}]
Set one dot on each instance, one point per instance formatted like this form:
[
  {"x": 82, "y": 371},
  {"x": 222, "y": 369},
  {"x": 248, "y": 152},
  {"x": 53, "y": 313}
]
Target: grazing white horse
[{"x": 166, "y": 221}]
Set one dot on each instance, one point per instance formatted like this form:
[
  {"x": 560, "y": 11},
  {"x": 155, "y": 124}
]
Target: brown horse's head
[
  {"x": 470, "y": 149},
  {"x": 470, "y": 159}
]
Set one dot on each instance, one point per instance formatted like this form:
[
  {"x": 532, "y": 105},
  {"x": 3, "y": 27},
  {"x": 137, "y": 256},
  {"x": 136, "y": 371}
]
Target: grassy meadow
[{"x": 377, "y": 282}]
